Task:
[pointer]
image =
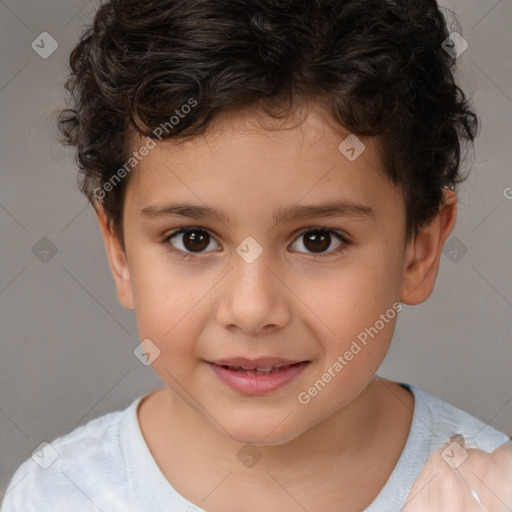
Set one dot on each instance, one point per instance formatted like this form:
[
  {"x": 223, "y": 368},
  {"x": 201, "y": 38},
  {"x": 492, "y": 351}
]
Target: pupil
[
  {"x": 194, "y": 241},
  {"x": 318, "y": 241}
]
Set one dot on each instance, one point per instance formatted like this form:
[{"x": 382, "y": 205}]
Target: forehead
[{"x": 247, "y": 160}]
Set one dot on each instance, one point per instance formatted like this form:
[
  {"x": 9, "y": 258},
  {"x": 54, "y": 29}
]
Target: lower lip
[{"x": 257, "y": 384}]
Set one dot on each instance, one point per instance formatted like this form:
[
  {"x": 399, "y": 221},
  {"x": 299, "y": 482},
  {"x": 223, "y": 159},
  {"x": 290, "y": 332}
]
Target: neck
[
  {"x": 202, "y": 465},
  {"x": 343, "y": 435}
]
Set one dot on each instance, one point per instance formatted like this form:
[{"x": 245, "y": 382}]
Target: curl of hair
[{"x": 377, "y": 65}]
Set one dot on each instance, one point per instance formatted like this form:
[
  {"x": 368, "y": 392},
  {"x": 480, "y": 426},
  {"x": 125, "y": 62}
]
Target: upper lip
[{"x": 250, "y": 364}]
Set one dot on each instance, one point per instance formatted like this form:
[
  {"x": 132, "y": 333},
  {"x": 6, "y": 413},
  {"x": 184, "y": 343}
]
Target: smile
[
  {"x": 251, "y": 371},
  {"x": 259, "y": 380}
]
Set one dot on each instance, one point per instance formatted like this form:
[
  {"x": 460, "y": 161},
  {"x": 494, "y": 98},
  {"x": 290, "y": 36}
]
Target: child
[{"x": 272, "y": 180}]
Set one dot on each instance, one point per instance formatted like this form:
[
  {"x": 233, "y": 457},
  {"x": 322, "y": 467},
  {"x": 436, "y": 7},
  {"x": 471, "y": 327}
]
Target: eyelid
[
  {"x": 168, "y": 236},
  {"x": 340, "y": 235}
]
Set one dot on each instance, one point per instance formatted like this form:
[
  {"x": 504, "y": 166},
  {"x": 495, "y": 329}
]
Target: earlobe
[
  {"x": 117, "y": 262},
  {"x": 423, "y": 255}
]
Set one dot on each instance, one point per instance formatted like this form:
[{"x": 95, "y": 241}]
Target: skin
[
  {"x": 445, "y": 488},
  {"x": 287, "y": 303}
]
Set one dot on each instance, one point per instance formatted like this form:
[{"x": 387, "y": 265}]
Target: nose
[{"x": 254, "y": 298}]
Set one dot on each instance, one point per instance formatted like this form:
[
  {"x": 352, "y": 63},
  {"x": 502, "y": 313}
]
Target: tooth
[{"x": 266, "y": 370}]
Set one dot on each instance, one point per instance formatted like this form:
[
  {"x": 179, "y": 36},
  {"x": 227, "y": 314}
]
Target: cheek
[
  {"x": 353, "y": 295},
  {"x": 167, "y": 314},
  {"x": 355, "y": 306}
]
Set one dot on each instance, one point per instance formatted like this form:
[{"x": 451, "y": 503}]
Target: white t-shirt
[{"x": 106, "y": 466}]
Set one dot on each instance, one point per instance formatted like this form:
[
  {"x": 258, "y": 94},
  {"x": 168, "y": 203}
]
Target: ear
[
  {"x": 423, "y": 254},
  {"x": 117, "y": 260}
]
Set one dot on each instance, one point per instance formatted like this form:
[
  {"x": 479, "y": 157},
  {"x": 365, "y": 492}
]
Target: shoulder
[
  {"x": 469, "y": 465},
  {"x": 67, "y": 473},
  {"x": 446, "y": 421}
]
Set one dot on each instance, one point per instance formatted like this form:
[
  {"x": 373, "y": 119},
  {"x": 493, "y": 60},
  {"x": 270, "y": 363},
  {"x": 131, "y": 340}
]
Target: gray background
[{"x": 66, "y": 354}]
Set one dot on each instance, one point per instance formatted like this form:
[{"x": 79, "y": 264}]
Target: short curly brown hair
[{"x": 378, "y": 66}]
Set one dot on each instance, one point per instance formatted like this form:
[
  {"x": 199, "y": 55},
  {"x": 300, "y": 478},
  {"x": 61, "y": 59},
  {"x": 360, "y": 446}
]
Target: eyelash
[{"x": 345, "y": 242}]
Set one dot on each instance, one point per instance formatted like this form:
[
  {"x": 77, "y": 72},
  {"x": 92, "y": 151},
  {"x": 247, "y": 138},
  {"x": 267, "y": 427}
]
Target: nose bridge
[
  {"x": 253, "y": 297},
  {"x": 252, "y": 280},
  {"x": 251, "y": 265}
]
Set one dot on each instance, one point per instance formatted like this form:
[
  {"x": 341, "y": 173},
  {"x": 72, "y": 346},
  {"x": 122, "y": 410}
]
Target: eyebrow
[{"x": 338, "y": 208}]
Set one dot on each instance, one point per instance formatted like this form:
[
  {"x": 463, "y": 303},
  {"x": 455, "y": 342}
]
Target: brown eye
[
  {"x": 193, "y": 240},
  {"x": 196, "y": 240},
  {"x": 319, "y": 240}
]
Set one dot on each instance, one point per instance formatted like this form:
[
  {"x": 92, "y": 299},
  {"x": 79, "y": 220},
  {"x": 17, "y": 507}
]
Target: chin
[{"x": 260, "y": 434}]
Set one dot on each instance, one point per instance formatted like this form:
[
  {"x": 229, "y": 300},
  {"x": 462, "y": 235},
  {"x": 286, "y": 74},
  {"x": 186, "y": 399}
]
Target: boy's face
[{"x": 220, "y": 299}]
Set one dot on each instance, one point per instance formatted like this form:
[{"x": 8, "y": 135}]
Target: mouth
[
  {"x": 257, "y": 377},
  {"x": 268, "y": 370},
  {"x": 262, "y": 365}
]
